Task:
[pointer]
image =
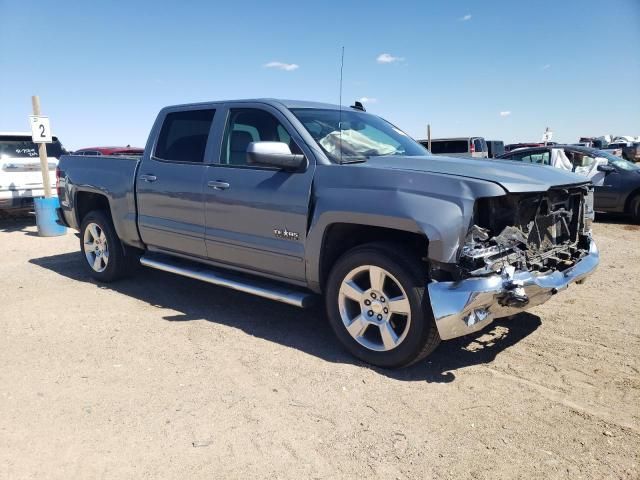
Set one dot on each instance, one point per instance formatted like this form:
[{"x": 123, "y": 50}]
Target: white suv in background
[{"x": 20, "y": 176}]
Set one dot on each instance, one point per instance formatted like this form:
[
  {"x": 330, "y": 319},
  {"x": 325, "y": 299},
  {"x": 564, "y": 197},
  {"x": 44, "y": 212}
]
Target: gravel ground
[{"x": 158, "y": 376}]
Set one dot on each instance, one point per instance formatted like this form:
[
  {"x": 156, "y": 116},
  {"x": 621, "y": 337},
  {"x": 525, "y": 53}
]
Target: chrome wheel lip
[
  {"x": 95, "y": 247},
  {"x": 376, "y": 309}
]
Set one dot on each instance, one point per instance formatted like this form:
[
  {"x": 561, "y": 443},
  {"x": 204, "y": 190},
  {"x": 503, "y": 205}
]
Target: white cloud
[
  {"x": 388, "y": 58},
  {"x": 466, "y": 18},
  {"x": 506, "y": 113},
  {"x": 546, "y": 67},
  {"x": 368, "y": 100},
  {"x": 282, "y": 66}
]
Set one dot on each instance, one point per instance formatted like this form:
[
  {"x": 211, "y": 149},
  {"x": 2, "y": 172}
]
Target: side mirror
[
  {"x": 606, "y": 168},
  {"x": 275, "y": 154}
]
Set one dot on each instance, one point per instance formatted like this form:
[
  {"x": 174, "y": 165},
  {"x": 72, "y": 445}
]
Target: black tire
[
  {"x": 118, "y": 264},
  {"x": 634, "y": 208},
  {"x": 421, "y": 337}
]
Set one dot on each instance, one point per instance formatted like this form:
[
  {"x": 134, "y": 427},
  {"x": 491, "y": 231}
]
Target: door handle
[
  {"x": 218, "y": 185},
  {"x": 148, "y": 178}
]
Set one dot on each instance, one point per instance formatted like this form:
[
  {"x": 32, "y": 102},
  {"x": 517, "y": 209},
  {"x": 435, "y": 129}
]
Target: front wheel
[{"x": 378, "y": 306}]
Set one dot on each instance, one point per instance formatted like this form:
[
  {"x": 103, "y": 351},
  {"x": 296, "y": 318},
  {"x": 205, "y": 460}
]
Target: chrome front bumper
[{"x": 464, "y": 307}]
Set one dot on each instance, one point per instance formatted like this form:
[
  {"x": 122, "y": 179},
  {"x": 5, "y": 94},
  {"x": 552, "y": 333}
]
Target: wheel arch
[
  {"x": 86, "y": 201},
  {"x": 632, "y": 195},
  {"x": 339, "y": 237}
]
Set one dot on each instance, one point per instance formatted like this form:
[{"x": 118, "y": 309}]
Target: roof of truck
[{"x": 283, "y": 102}]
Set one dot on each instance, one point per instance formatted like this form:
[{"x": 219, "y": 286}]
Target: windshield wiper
[{"x": 353, "y": 160}]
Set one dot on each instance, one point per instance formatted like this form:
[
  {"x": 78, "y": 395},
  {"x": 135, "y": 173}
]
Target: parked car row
[
  {"x": 629, "y": 150},
  {"x": 20, "y": 179},
  {"x": 476, "y": 147},
  {"x": 625, "y": 147}
]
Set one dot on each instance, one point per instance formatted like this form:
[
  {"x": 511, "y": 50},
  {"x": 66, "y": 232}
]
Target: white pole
[{"x": 42, "y": 150}]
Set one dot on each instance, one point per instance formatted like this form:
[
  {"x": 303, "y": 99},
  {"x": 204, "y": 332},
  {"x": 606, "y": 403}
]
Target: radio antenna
[{"x": 340, "y": 102}]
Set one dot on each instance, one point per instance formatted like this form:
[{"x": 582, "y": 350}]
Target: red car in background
[{"x": 127, "y": 151}]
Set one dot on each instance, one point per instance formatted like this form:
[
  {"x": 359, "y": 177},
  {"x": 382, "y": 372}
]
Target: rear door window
[
  {"x": 478, "y": 145},
  {"x": 449, "y": 146},
  {"x": 184, "y": 135}
]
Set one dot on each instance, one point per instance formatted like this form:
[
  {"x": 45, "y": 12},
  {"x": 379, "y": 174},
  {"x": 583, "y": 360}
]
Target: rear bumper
[{"x": 464, "y": 307}]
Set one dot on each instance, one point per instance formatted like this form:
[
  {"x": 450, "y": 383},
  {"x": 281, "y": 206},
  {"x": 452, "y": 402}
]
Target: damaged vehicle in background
[
  {"x": 616, "y": 180},
  {"x": 290, "y": 199}
]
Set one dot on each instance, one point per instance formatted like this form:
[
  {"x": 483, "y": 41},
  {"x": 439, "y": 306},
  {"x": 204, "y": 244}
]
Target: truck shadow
[
  {"x": 614, "y": 219},
  {"x": 16, "y": 222},
  {"x": 305, "y": 330}
]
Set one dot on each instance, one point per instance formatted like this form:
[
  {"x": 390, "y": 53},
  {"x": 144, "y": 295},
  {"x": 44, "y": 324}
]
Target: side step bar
[{"x": 261, "y": 288}]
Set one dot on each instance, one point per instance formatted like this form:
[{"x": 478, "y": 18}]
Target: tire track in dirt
[{"x": 608, "y": 416}]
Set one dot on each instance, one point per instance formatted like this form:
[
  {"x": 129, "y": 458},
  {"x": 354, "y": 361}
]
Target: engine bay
[{"x": 534, "y": 231}]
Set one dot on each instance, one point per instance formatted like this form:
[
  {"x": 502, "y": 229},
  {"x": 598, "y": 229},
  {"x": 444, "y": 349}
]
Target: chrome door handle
[
  {"x": 218, "y": 185},
  {"x": 148, "y": 178}
]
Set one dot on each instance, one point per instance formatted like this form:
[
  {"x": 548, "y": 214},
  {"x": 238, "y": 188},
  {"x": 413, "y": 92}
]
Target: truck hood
[{"x": 514, "y": 177}]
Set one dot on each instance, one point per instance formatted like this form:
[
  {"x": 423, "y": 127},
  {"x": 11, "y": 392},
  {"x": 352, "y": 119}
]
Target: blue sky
[{"x": 104, "y": 69}]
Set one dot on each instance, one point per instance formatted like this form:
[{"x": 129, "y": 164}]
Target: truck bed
[{"x": 116, "y": 176}]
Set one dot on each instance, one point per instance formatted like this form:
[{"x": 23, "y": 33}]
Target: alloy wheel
[
  {"x": 374, "y": 308},
  {"x": 96, "y": 249}
]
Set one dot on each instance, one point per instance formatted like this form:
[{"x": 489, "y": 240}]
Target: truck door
[
  {"x": 256, "y": 217},
  {"x": 607, "y": 195},
  {"x": 170, "y": 183}
]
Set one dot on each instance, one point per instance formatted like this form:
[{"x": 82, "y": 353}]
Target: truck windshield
[
  {"x": 350, "y": 136},
  {"x": 18, "y": 146}
]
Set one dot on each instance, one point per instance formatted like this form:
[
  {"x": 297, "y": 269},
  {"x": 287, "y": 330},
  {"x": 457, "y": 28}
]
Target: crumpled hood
[{"x": 514, "y": 177}]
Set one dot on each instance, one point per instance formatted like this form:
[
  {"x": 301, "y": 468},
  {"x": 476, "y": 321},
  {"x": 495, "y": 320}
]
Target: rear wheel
[
  {"x": 101, "y": 248},
  {"x": 378, "y": 306}
]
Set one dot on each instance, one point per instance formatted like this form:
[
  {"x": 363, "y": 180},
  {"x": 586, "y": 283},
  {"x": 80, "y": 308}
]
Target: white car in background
[{"x": 20, "y": 175}]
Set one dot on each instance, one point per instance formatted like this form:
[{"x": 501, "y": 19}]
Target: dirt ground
[{"x": 163, "y": 377}]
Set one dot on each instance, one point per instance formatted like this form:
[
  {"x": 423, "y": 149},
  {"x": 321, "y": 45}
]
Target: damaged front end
[{"x": 520, "y": 250}]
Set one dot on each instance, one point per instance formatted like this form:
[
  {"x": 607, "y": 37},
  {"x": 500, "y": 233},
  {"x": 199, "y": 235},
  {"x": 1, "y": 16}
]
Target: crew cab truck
[{"x": 288, "y": 200}]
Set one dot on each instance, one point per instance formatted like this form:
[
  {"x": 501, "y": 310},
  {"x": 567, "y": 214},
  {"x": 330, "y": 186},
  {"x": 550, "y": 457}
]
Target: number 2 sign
[{"x": 40, "y": 129}]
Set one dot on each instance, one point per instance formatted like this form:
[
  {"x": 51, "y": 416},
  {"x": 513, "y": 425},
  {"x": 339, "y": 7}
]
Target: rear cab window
[
  {"x": 183, "y": 136},
  {"x": 449, "y": 146},
  {"x": 478, "y": 145}
]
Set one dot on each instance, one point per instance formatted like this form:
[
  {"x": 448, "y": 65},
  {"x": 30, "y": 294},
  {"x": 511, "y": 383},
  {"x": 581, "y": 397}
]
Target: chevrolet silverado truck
[{"x": 290, "y": 200}]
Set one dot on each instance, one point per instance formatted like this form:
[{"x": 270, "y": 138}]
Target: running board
[{"x": 259, "y": 287}]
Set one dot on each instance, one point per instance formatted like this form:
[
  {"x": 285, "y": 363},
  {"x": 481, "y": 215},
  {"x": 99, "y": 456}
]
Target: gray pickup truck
[{"x": 291, "y": 199}]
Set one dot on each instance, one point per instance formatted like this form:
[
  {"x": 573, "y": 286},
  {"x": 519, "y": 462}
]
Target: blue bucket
[{"x": 46, "y": 217}]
